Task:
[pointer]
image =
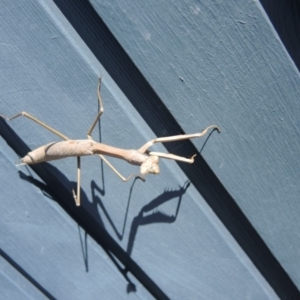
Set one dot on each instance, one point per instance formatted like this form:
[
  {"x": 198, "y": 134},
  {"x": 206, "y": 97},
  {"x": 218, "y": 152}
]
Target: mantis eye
[{"x": 150, "y": 165}]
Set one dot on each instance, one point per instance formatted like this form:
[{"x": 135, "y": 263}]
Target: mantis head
[{"x": 150, "y": 165}]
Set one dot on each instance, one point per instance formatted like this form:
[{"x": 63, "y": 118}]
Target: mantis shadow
[
  {"x": 156, "y": 216},
  {"x": 206, "y": 140},
  {"x": 97, "y": 201},
  {"x": 140, "y": 220},
  {"x": 47, "y": 191},
  {"x": 143, "y": 218},
  {"x": 83, "y": 234}
]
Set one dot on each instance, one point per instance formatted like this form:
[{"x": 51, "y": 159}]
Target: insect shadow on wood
[
  {"x": 48, "y": 192},
  {"x": 97, "y": 201},
  {"x": 147, "y": 160},
  {"x": 150, "y": 214}
]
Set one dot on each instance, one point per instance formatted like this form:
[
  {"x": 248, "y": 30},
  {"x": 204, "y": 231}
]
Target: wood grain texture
[
  {"x": 224, "y": 62},
  {"x": 184, "y": 67}
]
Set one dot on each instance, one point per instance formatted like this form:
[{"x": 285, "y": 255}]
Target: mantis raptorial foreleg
[
  {"x": 174, "y": 157},
  {"x": 89, "y": 136},
  {"x": 174, "y": 138}
]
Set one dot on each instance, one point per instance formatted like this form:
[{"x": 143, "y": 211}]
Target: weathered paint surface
[{"x": 208, "y": 63}]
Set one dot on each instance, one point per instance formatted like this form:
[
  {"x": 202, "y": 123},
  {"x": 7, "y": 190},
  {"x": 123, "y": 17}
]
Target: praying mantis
[{"x": 147, "y": 160}]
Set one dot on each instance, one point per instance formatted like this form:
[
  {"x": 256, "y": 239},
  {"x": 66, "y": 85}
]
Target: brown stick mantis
[{"x": 147, "y": 160}]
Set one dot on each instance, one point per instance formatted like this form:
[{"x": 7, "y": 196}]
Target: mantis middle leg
[{"x": 89, "y": 135}]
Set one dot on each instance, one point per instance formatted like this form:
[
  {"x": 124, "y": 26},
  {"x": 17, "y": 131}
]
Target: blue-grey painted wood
[
  {"x": 42, "y": 72},
  {"x": 223, "y": 62},
  {"x": 167, "y": 228}
]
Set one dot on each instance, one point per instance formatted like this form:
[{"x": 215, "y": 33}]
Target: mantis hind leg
[
  {"x": 25, "y": 114},
  {"x": 30, "y": 117}
]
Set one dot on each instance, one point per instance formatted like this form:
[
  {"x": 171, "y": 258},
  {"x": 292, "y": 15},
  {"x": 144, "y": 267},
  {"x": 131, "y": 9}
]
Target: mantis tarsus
[{"x": 147, "y": 160}]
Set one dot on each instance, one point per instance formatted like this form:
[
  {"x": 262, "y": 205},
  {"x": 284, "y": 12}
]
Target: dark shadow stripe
[
  {"x": 285, "y": 17},
  {"x": 63, "y": 195},
  {"x": 26, "y": 275}
]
